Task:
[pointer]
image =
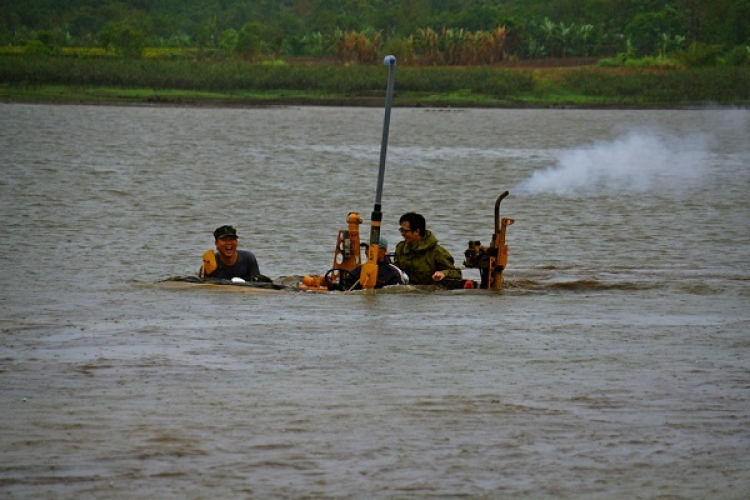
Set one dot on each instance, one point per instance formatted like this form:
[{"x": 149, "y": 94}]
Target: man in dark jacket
[
  {"x": 388, "y": 274},
  {"x": 420, "y": 256}
]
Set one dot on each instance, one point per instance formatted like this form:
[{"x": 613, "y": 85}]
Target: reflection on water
[{"x": 612, "y": 366}]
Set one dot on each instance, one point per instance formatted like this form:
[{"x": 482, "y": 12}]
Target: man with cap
[
  {"x": 228, "y": 262},
  {"x": 388, "y": 274}
]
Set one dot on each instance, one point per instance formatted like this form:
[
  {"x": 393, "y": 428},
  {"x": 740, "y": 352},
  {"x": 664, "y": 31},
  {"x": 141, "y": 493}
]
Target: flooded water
[{"x": 613, "y": 365}]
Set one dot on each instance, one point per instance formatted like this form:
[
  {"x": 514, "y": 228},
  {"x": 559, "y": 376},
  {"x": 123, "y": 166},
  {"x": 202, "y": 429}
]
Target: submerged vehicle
[
  {"x": 491, "y": 260},
  {"x": 349, "y": 252}
]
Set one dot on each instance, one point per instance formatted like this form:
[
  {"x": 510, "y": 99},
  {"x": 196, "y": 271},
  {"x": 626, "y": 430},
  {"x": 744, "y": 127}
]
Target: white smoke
[{"x": 638, "y": 161}]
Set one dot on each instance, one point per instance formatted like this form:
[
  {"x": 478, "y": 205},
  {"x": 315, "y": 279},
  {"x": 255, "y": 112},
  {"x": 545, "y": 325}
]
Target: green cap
[{"x": 225, "y": 232}]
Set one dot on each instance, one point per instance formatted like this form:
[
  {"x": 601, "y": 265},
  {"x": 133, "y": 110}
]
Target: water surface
[{"x": 614, "y": 364}]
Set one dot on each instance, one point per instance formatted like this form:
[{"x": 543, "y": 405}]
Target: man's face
[
  {"x": 226, "y": 246},
  {"x": 410, "y": 236},
  {"x": 381, "y": 253}
]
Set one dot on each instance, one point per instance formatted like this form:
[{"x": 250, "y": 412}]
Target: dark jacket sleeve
[
  {"x": 388, "y": 275},
  {"x": 348, "y": 279}
]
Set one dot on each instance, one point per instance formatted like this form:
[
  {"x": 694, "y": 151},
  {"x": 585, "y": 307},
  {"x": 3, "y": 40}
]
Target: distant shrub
[
  {"x": 739, "y": 56},
  {"x": 653, "y": 62},
  {"x": 86, "y": 52},
  {"x": 36, "y": 48},
  {"x": 611, "y": 62},
  {"x": 698, "y": 55}
]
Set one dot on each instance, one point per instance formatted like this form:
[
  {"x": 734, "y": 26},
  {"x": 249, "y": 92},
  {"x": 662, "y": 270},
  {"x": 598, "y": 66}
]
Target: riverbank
[
  {"x": 191, "y": 83},
  {"x": 149, "y": 97}
]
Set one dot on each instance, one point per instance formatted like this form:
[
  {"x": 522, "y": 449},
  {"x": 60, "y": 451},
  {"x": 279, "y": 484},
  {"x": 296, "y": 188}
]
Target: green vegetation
[
  {"x": 649, "y": 52},
  {"x": 238, "y": 82},
  {"x": 725, "y": 85},
  {"x": 418, "y": 31}
]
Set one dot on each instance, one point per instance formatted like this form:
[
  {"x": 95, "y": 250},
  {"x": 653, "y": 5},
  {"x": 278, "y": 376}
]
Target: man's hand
[
  {"x": 438, "y": 276},
  {"x": 209, "y": 263}
]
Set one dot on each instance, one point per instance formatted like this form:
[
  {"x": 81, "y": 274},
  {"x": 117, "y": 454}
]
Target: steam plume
[{"x": 638, "y": 161}]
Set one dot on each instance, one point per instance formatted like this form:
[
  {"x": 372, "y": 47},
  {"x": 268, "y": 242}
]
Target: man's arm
[
  {"x": 350, "y": 278},
  {"x": 392, "y": 275},
  {"x": 444, "y": 262}
]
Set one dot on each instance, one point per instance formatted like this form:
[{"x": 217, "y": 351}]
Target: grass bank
[{"x": 190, "y": 82}]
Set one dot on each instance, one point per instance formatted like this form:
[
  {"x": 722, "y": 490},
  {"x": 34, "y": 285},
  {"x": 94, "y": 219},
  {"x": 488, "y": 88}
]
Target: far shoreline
[
  {"x": 534, "y": 85},
  {"x": 443, "y": 105}
]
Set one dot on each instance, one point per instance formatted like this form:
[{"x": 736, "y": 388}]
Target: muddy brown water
[{"x": 613, "y": 365}]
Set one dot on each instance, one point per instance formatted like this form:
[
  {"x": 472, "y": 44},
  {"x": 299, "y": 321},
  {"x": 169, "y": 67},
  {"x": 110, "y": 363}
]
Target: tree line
[{"x": 421, "y": 32}]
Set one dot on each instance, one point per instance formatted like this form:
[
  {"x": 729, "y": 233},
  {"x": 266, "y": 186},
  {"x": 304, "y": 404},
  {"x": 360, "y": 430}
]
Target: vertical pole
[{"x": 369, "y": 275}]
